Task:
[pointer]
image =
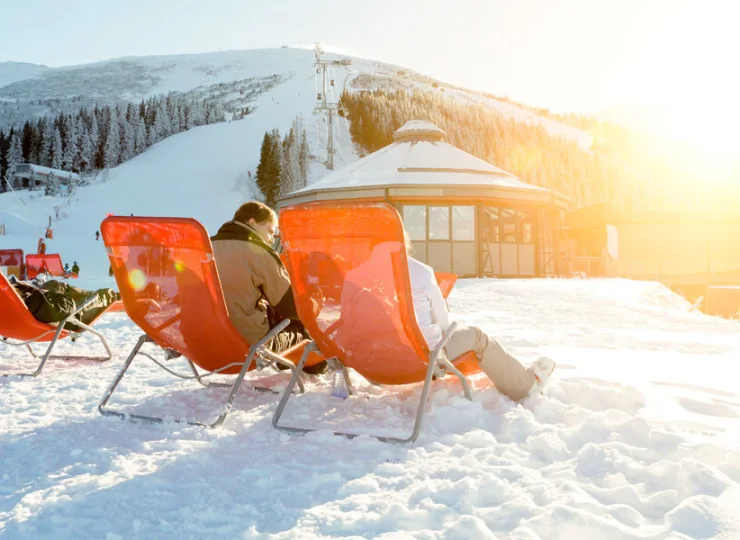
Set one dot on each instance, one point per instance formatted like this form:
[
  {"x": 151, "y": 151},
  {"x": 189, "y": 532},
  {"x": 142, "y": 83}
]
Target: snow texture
[{"x": 636, "y": 436}]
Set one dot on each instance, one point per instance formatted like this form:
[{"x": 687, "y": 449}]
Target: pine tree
[
  {"x": 14, "y": 156},
  {"x": 71, "y": 153},
  {"x": 263, "y": 179},
  {"x": 86, "y": 156},
  {"x": 268, "y": 169},
  {"x": 57, "y": 155},
  {"x": 112, "y": 141},
  {"x": 95, "y": 161},
  {"x": 47, "y": 152}
]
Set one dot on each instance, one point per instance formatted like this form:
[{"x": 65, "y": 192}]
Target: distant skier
[
  {"x": 75, "y": 268},
  {"x": 97, "y": 235}
]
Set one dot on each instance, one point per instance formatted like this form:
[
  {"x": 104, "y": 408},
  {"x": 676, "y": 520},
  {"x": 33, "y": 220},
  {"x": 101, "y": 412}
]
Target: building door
[{"x": 507, "y": 242}]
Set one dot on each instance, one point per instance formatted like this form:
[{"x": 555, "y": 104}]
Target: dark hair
[{"x": 256, "y": 210}]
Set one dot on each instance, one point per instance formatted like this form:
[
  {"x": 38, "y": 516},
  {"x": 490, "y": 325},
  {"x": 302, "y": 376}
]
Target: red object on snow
[
  {"x": 48, "y": 263},
  {"x": 11, "y": 257}
]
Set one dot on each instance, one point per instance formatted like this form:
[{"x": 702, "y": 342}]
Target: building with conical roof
[{"x": 463, "y": 215}]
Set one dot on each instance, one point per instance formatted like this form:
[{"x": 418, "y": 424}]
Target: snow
[
  {"x": 11, "y": 72},
  {"x": 420, "y": 162},
  {"x": 635, "y": 437},
  {"x": 136, "y": 78}
]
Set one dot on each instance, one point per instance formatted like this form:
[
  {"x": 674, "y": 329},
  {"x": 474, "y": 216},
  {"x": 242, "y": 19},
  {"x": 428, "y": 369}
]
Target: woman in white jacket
[{"x": 510, "y": 377}]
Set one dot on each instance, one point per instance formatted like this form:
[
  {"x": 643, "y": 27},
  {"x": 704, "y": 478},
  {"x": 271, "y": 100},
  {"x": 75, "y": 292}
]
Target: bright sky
[{"x": 567, "y": 55}]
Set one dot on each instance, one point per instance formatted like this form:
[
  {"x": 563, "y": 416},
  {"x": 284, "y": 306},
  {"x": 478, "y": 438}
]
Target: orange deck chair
[
  {"x": 170, "y": 288},
  {"x": 353, "y": 256},
  {"x": 17, "y": 323}
]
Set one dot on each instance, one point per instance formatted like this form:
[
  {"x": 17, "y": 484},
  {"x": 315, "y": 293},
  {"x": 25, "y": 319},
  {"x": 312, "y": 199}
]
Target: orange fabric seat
[
  {"x": 370, "y": 324},
  {"x": 49, "y": 263},
  {"x": 19, "y": 324},
  {"x": 170, "y": 288}
]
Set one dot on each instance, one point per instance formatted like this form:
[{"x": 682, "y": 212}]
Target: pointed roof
[{"x": 418, "y": 157}]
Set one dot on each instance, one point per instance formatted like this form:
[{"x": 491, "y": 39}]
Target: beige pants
[{"x": 510, "y": 377}]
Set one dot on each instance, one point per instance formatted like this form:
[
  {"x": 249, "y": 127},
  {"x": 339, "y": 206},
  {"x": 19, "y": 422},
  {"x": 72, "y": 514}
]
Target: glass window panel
[
  {"x": 439, "y": 223},
  {"x": 491, "y": 224},
  {"x": 508, "y": 225},
  {"x": 419, "y": 251},
  {"x": 439, "y": 256},
  {"x": 415, "y": 222},
  {"x": 463, "y": 223},
  {"x": 525, "y": 228},
  {"x": 463, "y": 258}
]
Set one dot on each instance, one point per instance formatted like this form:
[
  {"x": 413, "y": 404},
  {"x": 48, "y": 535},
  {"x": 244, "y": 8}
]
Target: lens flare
[
  {"x": 137, "y": 279},
  {"x": 179, "y": 266}
]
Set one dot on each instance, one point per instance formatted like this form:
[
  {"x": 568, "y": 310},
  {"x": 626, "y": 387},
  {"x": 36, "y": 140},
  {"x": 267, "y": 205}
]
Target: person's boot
[{"x": 542, "y": 369}]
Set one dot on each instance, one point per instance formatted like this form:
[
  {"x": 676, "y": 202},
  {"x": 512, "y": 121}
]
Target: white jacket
[{"x": 429, "y": 304}]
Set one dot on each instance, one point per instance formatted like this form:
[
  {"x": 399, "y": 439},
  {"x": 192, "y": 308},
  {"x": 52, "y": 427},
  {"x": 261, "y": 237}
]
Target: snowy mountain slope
[
  {"x": 11, "y": 72},
  {"x": 135, "y": 78},
  {"x": 202, "y": 173},
  {"x": 635, "y": 438}
]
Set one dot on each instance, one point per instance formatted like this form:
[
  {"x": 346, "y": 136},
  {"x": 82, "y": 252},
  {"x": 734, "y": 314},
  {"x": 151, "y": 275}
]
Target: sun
[{"x": 702, "y": 135}]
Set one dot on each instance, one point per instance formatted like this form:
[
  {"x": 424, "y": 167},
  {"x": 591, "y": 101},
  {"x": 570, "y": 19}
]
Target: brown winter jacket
[{"x": 252, "y": 276}]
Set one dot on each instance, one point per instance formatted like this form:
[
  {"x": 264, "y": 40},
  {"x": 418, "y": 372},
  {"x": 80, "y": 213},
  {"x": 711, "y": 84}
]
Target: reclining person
[
  {"x": 53, "y": 301},
  {"x": 255, "y": 284},
  {"x": 510, "y": 377}
]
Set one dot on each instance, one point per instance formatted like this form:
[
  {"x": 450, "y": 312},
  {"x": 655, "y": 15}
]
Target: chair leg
[
  {"x": 158, "y": 420},
  {"x": 102, "y": 339},
  {"x": 436, "y": 361},
  {"x": 227, "y": 407},
  {"x": 53, "y": 342},
  {"x": 127, "y": 364},
  {"x": 289, "y": 391},
  {"x": 348, "y": 381},
  {"x": 257, "y": 348},
  {"x": 44, "y": 359}
]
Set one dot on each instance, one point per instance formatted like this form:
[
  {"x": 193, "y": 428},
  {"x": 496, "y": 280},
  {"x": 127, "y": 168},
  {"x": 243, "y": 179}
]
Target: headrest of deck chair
[{"x": 186, "y": 233}]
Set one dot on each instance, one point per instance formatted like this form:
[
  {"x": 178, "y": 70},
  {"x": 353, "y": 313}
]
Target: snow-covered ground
[{"x": 636, "y": 437}]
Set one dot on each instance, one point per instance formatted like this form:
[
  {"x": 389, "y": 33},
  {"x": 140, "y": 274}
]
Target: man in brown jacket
[{"x": 255, "y": 283}]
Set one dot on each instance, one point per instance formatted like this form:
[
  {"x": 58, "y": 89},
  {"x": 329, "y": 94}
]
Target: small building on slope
[{"x": 28, "y": 176}]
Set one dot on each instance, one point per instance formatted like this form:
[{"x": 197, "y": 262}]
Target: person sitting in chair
[
  {"x": 255, "y": 284},
  {"x": 510, "y": 377},
  {"x": 51, "y": 301}
]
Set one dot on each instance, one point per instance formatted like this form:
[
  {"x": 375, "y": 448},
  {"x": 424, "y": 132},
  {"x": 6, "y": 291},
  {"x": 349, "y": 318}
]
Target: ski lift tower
[{"x": 324, "y": 105}]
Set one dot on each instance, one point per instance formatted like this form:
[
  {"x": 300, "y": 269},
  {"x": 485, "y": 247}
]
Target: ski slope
[
  {"x": 201, "y": 173},
  {"x": 636, "y": 437}
]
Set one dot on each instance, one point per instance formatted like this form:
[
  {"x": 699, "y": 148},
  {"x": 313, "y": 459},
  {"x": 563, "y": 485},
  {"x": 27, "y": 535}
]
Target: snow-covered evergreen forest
[
  {"x": 283, "y": 164},
  {"x": 621, "y": 167},
  {"x": 81, "y": 141}
]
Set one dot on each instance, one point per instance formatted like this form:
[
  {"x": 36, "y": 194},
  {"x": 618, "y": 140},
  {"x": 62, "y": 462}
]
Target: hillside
[{"x": 202, "y": 172}]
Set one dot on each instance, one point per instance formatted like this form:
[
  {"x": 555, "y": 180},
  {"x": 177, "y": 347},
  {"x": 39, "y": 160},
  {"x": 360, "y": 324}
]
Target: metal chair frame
[
  {"x": 57, "y": 332},
  {"x": 439, "y": 365},
  {"x": 258, "y": 353}
]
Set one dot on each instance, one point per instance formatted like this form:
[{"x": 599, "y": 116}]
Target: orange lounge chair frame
[
  {"x": 132, "y": 244},
  {"x": 310, "y": 228},
  {"x": 19, "y": 324}
]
